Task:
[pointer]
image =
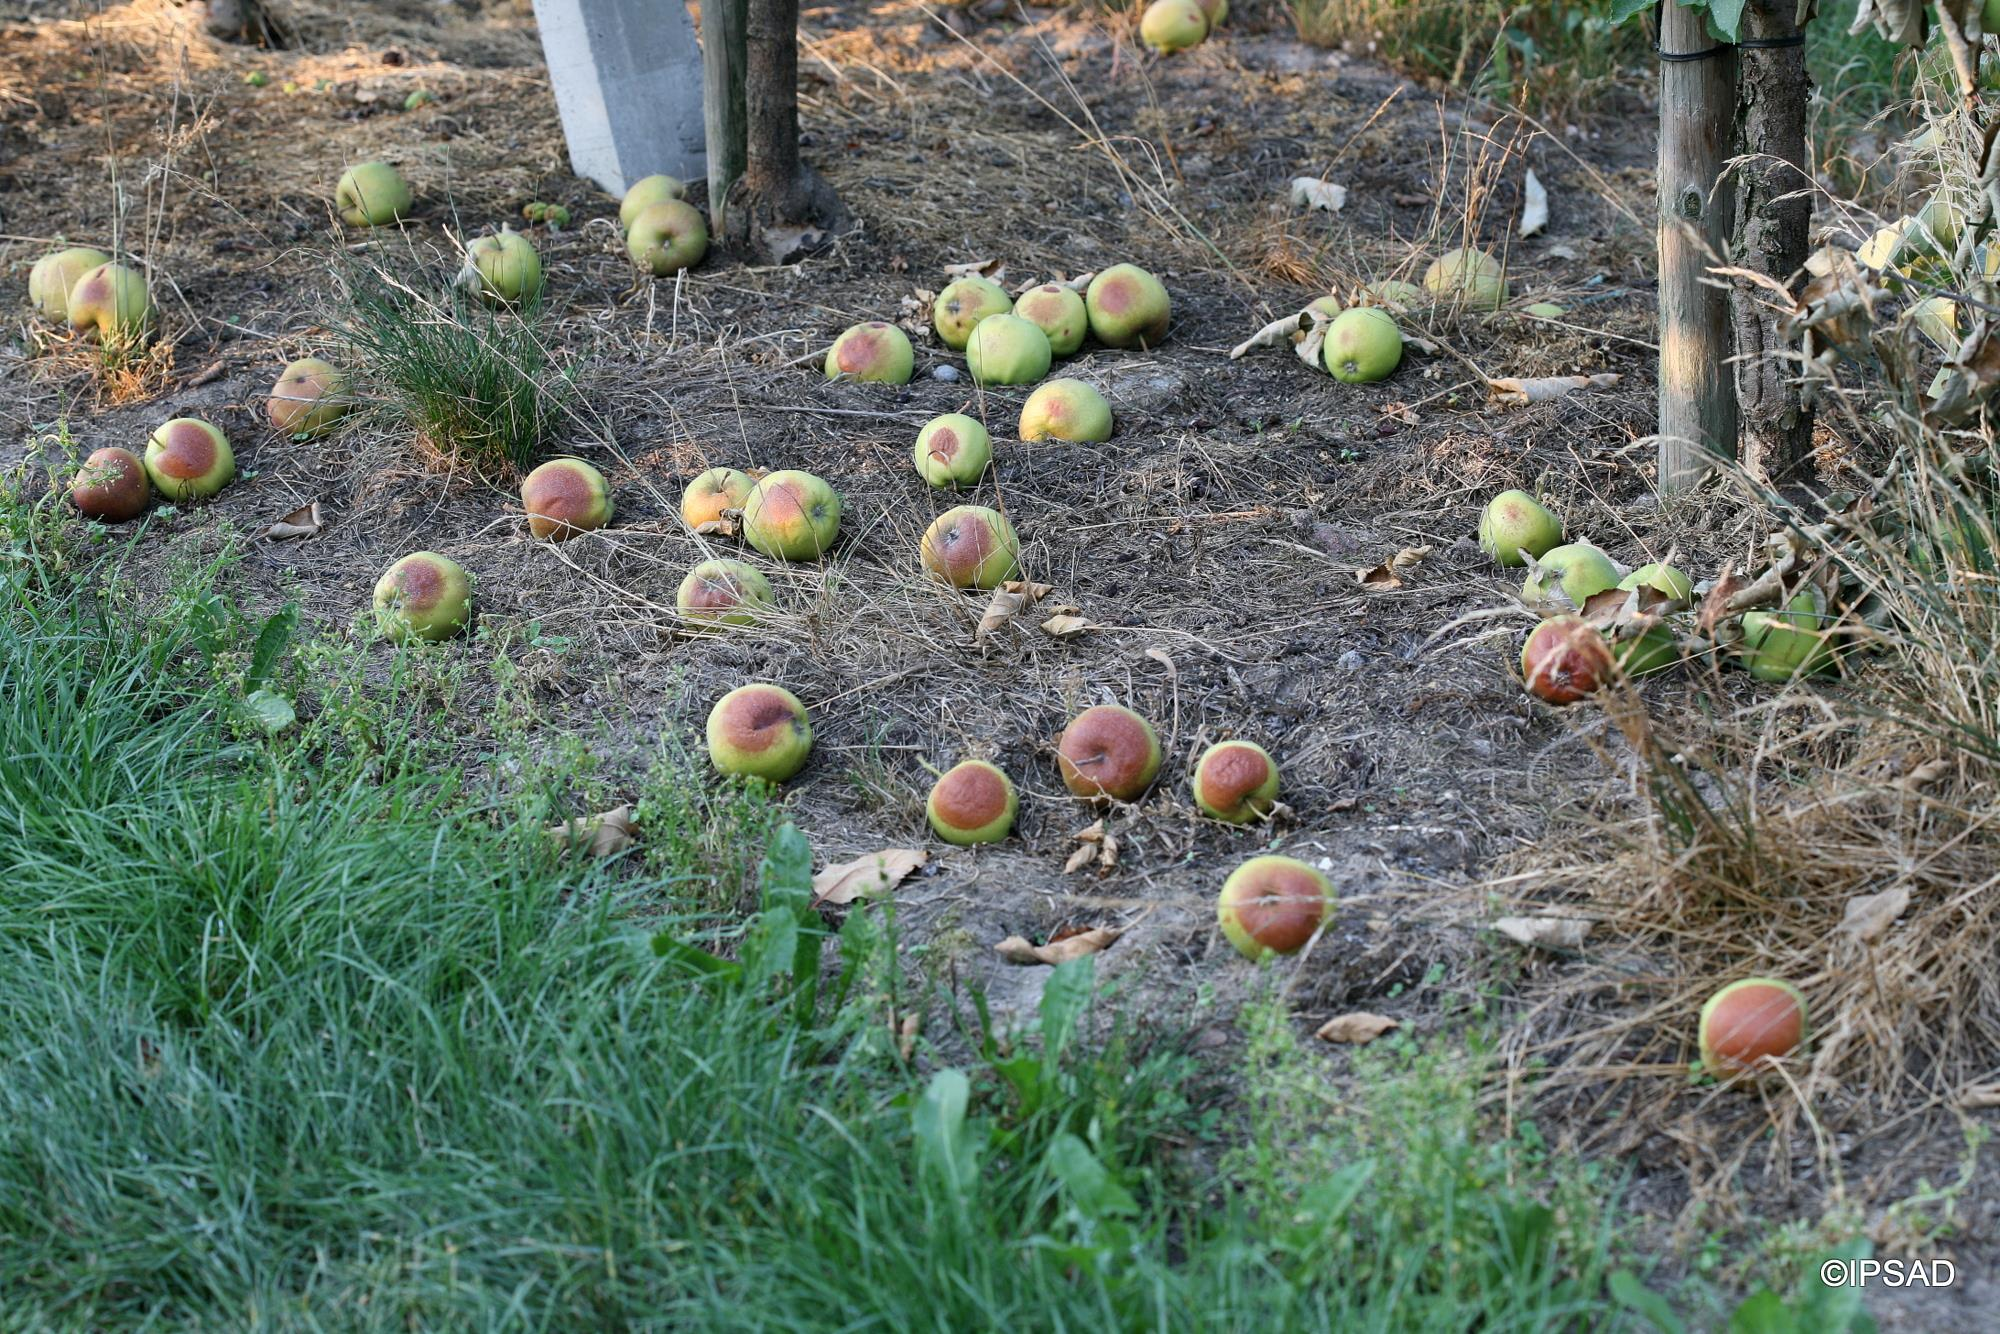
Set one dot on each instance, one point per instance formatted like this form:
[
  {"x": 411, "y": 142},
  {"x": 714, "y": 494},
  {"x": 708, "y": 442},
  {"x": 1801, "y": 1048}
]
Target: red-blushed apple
[
  {"x": 1273, "y": 905},
  {"x": 308, "y": 398},
  {"x": 963, "y": 304},
  {"x": 1514, "y": 522},
  {"x": 1108, "y": 751},
  {"x": 111, "y": 486},
  {"x": 1168, "y": 26},
  {"x": 952, "y": 451},
  {"x": 112, "y": 300},
  {"x": 1750, "y": 1025},
  {"x": 50, "y": 281},
  {"x": 791, "y": 515},
  {"x": 974, "y": 802},
  {"x": 371, "y": 194},
  {"x": 1006, "y": 349},
  {"x": 971, "y": 547},
  {"x": 723, "y": 592},
  {"x": 1058, "y": 312},
  {"x": 1128, "y": 307},
  {"x": 188, "y": 459},
  {"x": 1566, "y": 659},
  {"x": 564, "y": 497},
  {"x": 666, "y": 238},
  {"x": 645, "y": 192},
  {"x": 1236, "y": 781},
  {"x": 714, "y": 491},
  {"x": 877, "y": 352},
  {"x": 760, "y": 731},
  {"x": 423, "y": 596},
  {"x": 1065, "y": 410}
]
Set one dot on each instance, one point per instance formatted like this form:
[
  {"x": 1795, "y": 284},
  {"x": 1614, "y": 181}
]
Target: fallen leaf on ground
[
  {"x": 1016, "y": 949},
  {"x": 1308, "y": 192},
  {"x": 1359, "y": 1028},
  {"x": 867, "y": 877},
  {"x": 1284, "y": 329},
  {"x": 1095, "y": 845},
  {"x": 989, "y": 269},
  {"x": 1062, "y": 627},
  {"x": 1389, "y": 574},
  {"x": 208, "y": 374},
  {"x": 1159, "y": 655},
  {"x": 1974, "y": 1097},
  {"x": 1555, "y": 933},
  {"x": 1534, "y": 205},
  {"x": 304, "y": 521},
  {"x": 1715, "y": 607},
  {"x": 1510, "y": 392},
  {"x": 907, "y": 1031},
  {"x": 1008, "y": 601},
  {"x": 1869, "y": 915},
  {"x": 725, "y": 524},
  {"x": 600, "y": 835}
]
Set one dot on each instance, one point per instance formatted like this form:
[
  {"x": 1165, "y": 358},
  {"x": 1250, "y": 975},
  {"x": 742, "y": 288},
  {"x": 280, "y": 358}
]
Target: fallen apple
[
  {"x": 1396, "y": 294},
  {"x": 1273, "y": 905},
  {"x": 1128, "y": 307},
  {"x": 1006, "y": 349},
  {"x": 791, "y": 515},
  {"x": 973, "y": 802},
  {"x": 1750, "y": 1025},
  {"x": 1515, "y": 522},
  {"x": 1675, "y": 589},
  {"x": 645, "y": 192},
  {"x": 667, "y": 237},
  {"x": 423, "y": 596},
  {"x": 723, "y": 592},
  {"x": 1065, "y": 410},
  {"x": 1236, "y": 781},
  {"x": 1108, "y": 751},
  {"x": 1653, "y": 649},
  {"x": 564, "y": 497},
  {"x": 111, "y": 486},
  {"x": 952, "y": 451},
  {"x": 1796, "y": 641},
  {"x": 1566, "y": 659},
  {"x": 1215, "y": 11},
  {"x": 875, "y": 351},
  {"x": 1544, "y": 310},
  {"x": 760, "y": 731},
  {"x": 1058, "y": 312},
  {"x": 1172, "y": 25},
  {"x": 970, "y": 547},
  {"x": 1579, "y": 569},
  {"x": 188, "y": 459},
  {"x": 371, "y": 194},
  {"x": 1467, "y": 277},
  {"x": 50, "y": 281},
  {"x": 963, "y": 304},
  {"x": 714, "y": 491},
  {"x": 309, "y": 397},
  {"x": 509, "y": 270},
  {"x": 1362, "y": 346},
  {"x": 113, "y": 300}
]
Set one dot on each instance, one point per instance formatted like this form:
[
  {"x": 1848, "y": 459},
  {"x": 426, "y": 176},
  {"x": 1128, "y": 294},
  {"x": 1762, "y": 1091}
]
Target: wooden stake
[{"x": 722, "y": 112}]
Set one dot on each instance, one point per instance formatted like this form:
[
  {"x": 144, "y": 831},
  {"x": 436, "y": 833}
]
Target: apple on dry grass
[
  {"x": 971, "y": 547},
  {"x": 1273, "y": 905},
  {"x": 723, "y": 592},
  {"x": 371, "y": 194},
  {"x": 112, "y": 300},
  {"x": 1514, "y": 522},
  {"x": 423, "y": 596},
  {"x": 1579, "y": 569},
  {"x": 1173, "y": 25},
  {"x": 952, "y": 451},
  {"x": 877, "y": 351},
  {"x": 1058, "y": 312},
  {"x": 1653, "y": 649},
  {"x": 963, "y": 304},
  {"x": 111, "y": 486},
  {"x": 1395, "y": 294},
  {"x": 1236, "y": 782},
  {"x": 1215, "y": 11},
  {"x": 508, "y": 269},
  {"x": 1672, "y": 586},
  {"x": 1362, "y": 345},
  {"x": 1065, "y": 410},
  {"x": 1751, "y": 1024},
  {"x": 645, "y": 192},
  {"x": 309, "y": 397},
  {"x": 667, "y": 237},
  {"x": 791, "y": 515},
  {"x": 714, "y": 491},
  {"x": 1108, "y": 751},
  {"x": 50, "y": 281},
  {"x": 1565, "y": 659},
  {"x": 564, "y": 497},
  {"x": 1791, "y": 642},
  {"x": 1468, "y": 277},
  {"x": 973, "y": 802},
  {"x": 759, "y": 731},
  {"x": 1006, "y": 349},
  {"x": 188, "y": 459},
  {"x": 1128, "y": 307}
]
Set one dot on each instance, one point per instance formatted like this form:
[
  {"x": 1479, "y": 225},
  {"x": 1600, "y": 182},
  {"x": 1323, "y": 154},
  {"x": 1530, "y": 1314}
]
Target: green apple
[
  {"x": 50, "y": 281},
  {"x": 1654, "y": 649},
  {"x": 1396, "y": 294},
  {"x": 188, "y": 459},
  {"x": 1515, "y": 522},
  {"x": 507, "y": 266},
  {"x": 1793, "y": 642},
  {"x": 1006, "y": 349},
  {"x": 1065, "y": 410},
  {"x": 371, "y": 194},
  {"x": 667, "y": 237},
  {"x": 791, "y": 515},
  {"x": 113, "y": 300},
  {"x": 646, "y": 192},
  {"x": 1273, "y": 905},
  {"x": 1579, "y": 569},
  {"x": 952, "y": 451},
  {"x": 1128, "y": 307},
  {"x": 1467, "y": 277},
  {"x": 1172, "y": 25},
  {"x": 963, "y": 304},
  {"x": 759, "y": 731},
  {"x": 973, "y": 802},
  {"x": 1674, "y": 587},
  {"x": 1362, "y": 346},
  {"x": 423, "y": 596}
]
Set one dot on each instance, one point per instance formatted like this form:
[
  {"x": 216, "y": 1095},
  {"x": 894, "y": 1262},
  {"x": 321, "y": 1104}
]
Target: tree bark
[
  {"x": 782, "y": 209},
  {"x": 722, "y": 106},
  {"x": 1773, "y": 213},
  {"x": 1697, "y": 111}
]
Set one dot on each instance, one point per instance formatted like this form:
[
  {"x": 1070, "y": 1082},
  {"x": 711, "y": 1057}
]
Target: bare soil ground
[{"x": 1214, "y": 541}]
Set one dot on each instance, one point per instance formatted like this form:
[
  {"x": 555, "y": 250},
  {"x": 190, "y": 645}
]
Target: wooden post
[
  {"x": 722, "y": 60},
  {"x": 1697, "y": 394}
]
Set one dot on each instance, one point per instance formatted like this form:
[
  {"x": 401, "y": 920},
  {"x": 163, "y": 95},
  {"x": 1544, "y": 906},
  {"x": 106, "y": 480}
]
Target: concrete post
[{"x": 628, "y": 83}]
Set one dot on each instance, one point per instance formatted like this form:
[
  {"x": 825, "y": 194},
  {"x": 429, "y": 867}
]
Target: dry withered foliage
[
  {"x": 867, "y": 877},
  {"x": 602, "y": 835},
  {"x": 1357, "y": 1029},
  {"x": 1061, "y": 947}
]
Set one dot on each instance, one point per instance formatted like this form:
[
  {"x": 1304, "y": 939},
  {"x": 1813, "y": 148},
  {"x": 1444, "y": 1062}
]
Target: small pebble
[{"x": 944, "y": 373}]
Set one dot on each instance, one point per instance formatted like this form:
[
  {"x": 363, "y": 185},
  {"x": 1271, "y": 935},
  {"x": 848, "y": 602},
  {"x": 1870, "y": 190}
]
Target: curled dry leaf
[
  {"x": 1509, "y": 392},
  {"x": 1550, "y": 933},
  {"x": 1064, "y": 625},
  {"x": 1715, "y": 607},
  {"x": 1389, "y": 574},
  {"x": 1977, "y": 1097},
  {"x": 1534, "y": 204},
  {"x": 1008, "y": 601},
  {"x": 602, "y": 835},
  {"x": 1095, "y": 846},
  {"x": 1016, "y": 949},
  {"x": 1359, "y": 1028},
  {"x": 726, "y": 524},
  {"x": 1281, "y": 330},
  {"x": 305, "y": 521},
  {"x": 1869, "y": 915},
  {"x": 907, "y": 1031},
  {"x": 1309, "y": 192},
  {"x": 1159, "y": 655},
  {"x": 867, "y": 877},
  {"x": 915, "y": 312},
  {"x": 989, "y": 269}
]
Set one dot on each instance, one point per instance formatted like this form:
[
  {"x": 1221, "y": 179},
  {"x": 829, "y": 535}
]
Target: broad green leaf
[
  {"x": 1064, "y": 999},
  {"x": 271, "y": 642},
  {"x": 694, "y": 960},
  {"x": 1636, "y": 1297},
  {"x": 267, "y": 709},
  {"x": 1089, "y": 1183},
  {"x": 1763, "y": 1312},
  {"x": 943, "y": 1147}
]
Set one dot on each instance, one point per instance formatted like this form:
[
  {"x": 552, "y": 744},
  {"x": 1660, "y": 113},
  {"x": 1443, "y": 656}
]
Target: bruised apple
[
  {"x": 1273, "y": 905},
  {"x": 974, "y": 802},
  {"x": 1108, "y": 751},
  {"x": 1566, "y": 659}
]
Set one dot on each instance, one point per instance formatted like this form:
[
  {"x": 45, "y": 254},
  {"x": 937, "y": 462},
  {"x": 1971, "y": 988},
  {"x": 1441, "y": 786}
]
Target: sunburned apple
[
  {"x": 714, "y": 491},
  {"x": 1065, "y": 410},
  {"x": 1273, "y": 905},
  {"x": 111, "y": 486},
  {"x": 666, "y": 238},
  {"x": 963, "y": 304},
  {"x": 1108, "y": 751},
  {"x": 973, "y": 802},
  {"x": 423, "y": 596},
  {"x": 876, "y": 351},
  {"x": 1236, "y": 781},
  {"x": 1128, "y": 307},
  {"x": 564, "y": 497},
  {"x": 112, "y": 300},
  {"x": 1006, "y": 349},
  {"x": 1751, "y": 1025},
  {"x": 1566, "y": 659},
  {"x": 971, "y": 547},
  {"x": 759, "y": 731},
  {"x": 371, "y": 194},
  {"x": 723, "y": 592},
  {"x": 308, "y": 398},
  {"x": 644, "y": 193},
  {"x": 50, "y": 281},
  {"x": 791, "y": 515},
  {"x": 952, "y": 451},
  {"x": 1058, "y": 312},
  {"x": 188, "y": 459},
  {"x": 508, "y": 269}
]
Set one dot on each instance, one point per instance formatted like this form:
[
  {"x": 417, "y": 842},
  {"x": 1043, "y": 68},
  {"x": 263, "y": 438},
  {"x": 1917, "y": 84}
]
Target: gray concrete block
[{"x": 627, "y": 78}]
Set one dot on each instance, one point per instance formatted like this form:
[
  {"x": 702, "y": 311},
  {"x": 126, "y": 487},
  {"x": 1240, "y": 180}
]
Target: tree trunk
[
  {"x": 1773, "y": 212},
  {"x": 1697, "y": 111},
  {"x": 722, "y": 107},
  {"x": 782, "y": 209}
]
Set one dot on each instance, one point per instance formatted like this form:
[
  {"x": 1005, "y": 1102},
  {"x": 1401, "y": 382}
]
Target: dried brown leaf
[
  {"x": 1359, "y": 1028},
  {"x": 1085, "y": 854},
  {"x": 1064, "y": 626},
  {"x": 1008, "y": 601},
  {"x": 1715, "y": 607},
  {"x": 1869, "y": 915},
  {"x": 989, "y": 269},
  {"x": 1510, "y": 392},
  {"x": 1977, "y": 1097},
  {"x": 1389, "y": 574},
  {"x": 1554, "y": 933},
  {"x": 867, "y": 877},
  {"x": 305, "y": 521},
  {"x": 602, "y": 835},
  {"x": 1016, "y": 949}
]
